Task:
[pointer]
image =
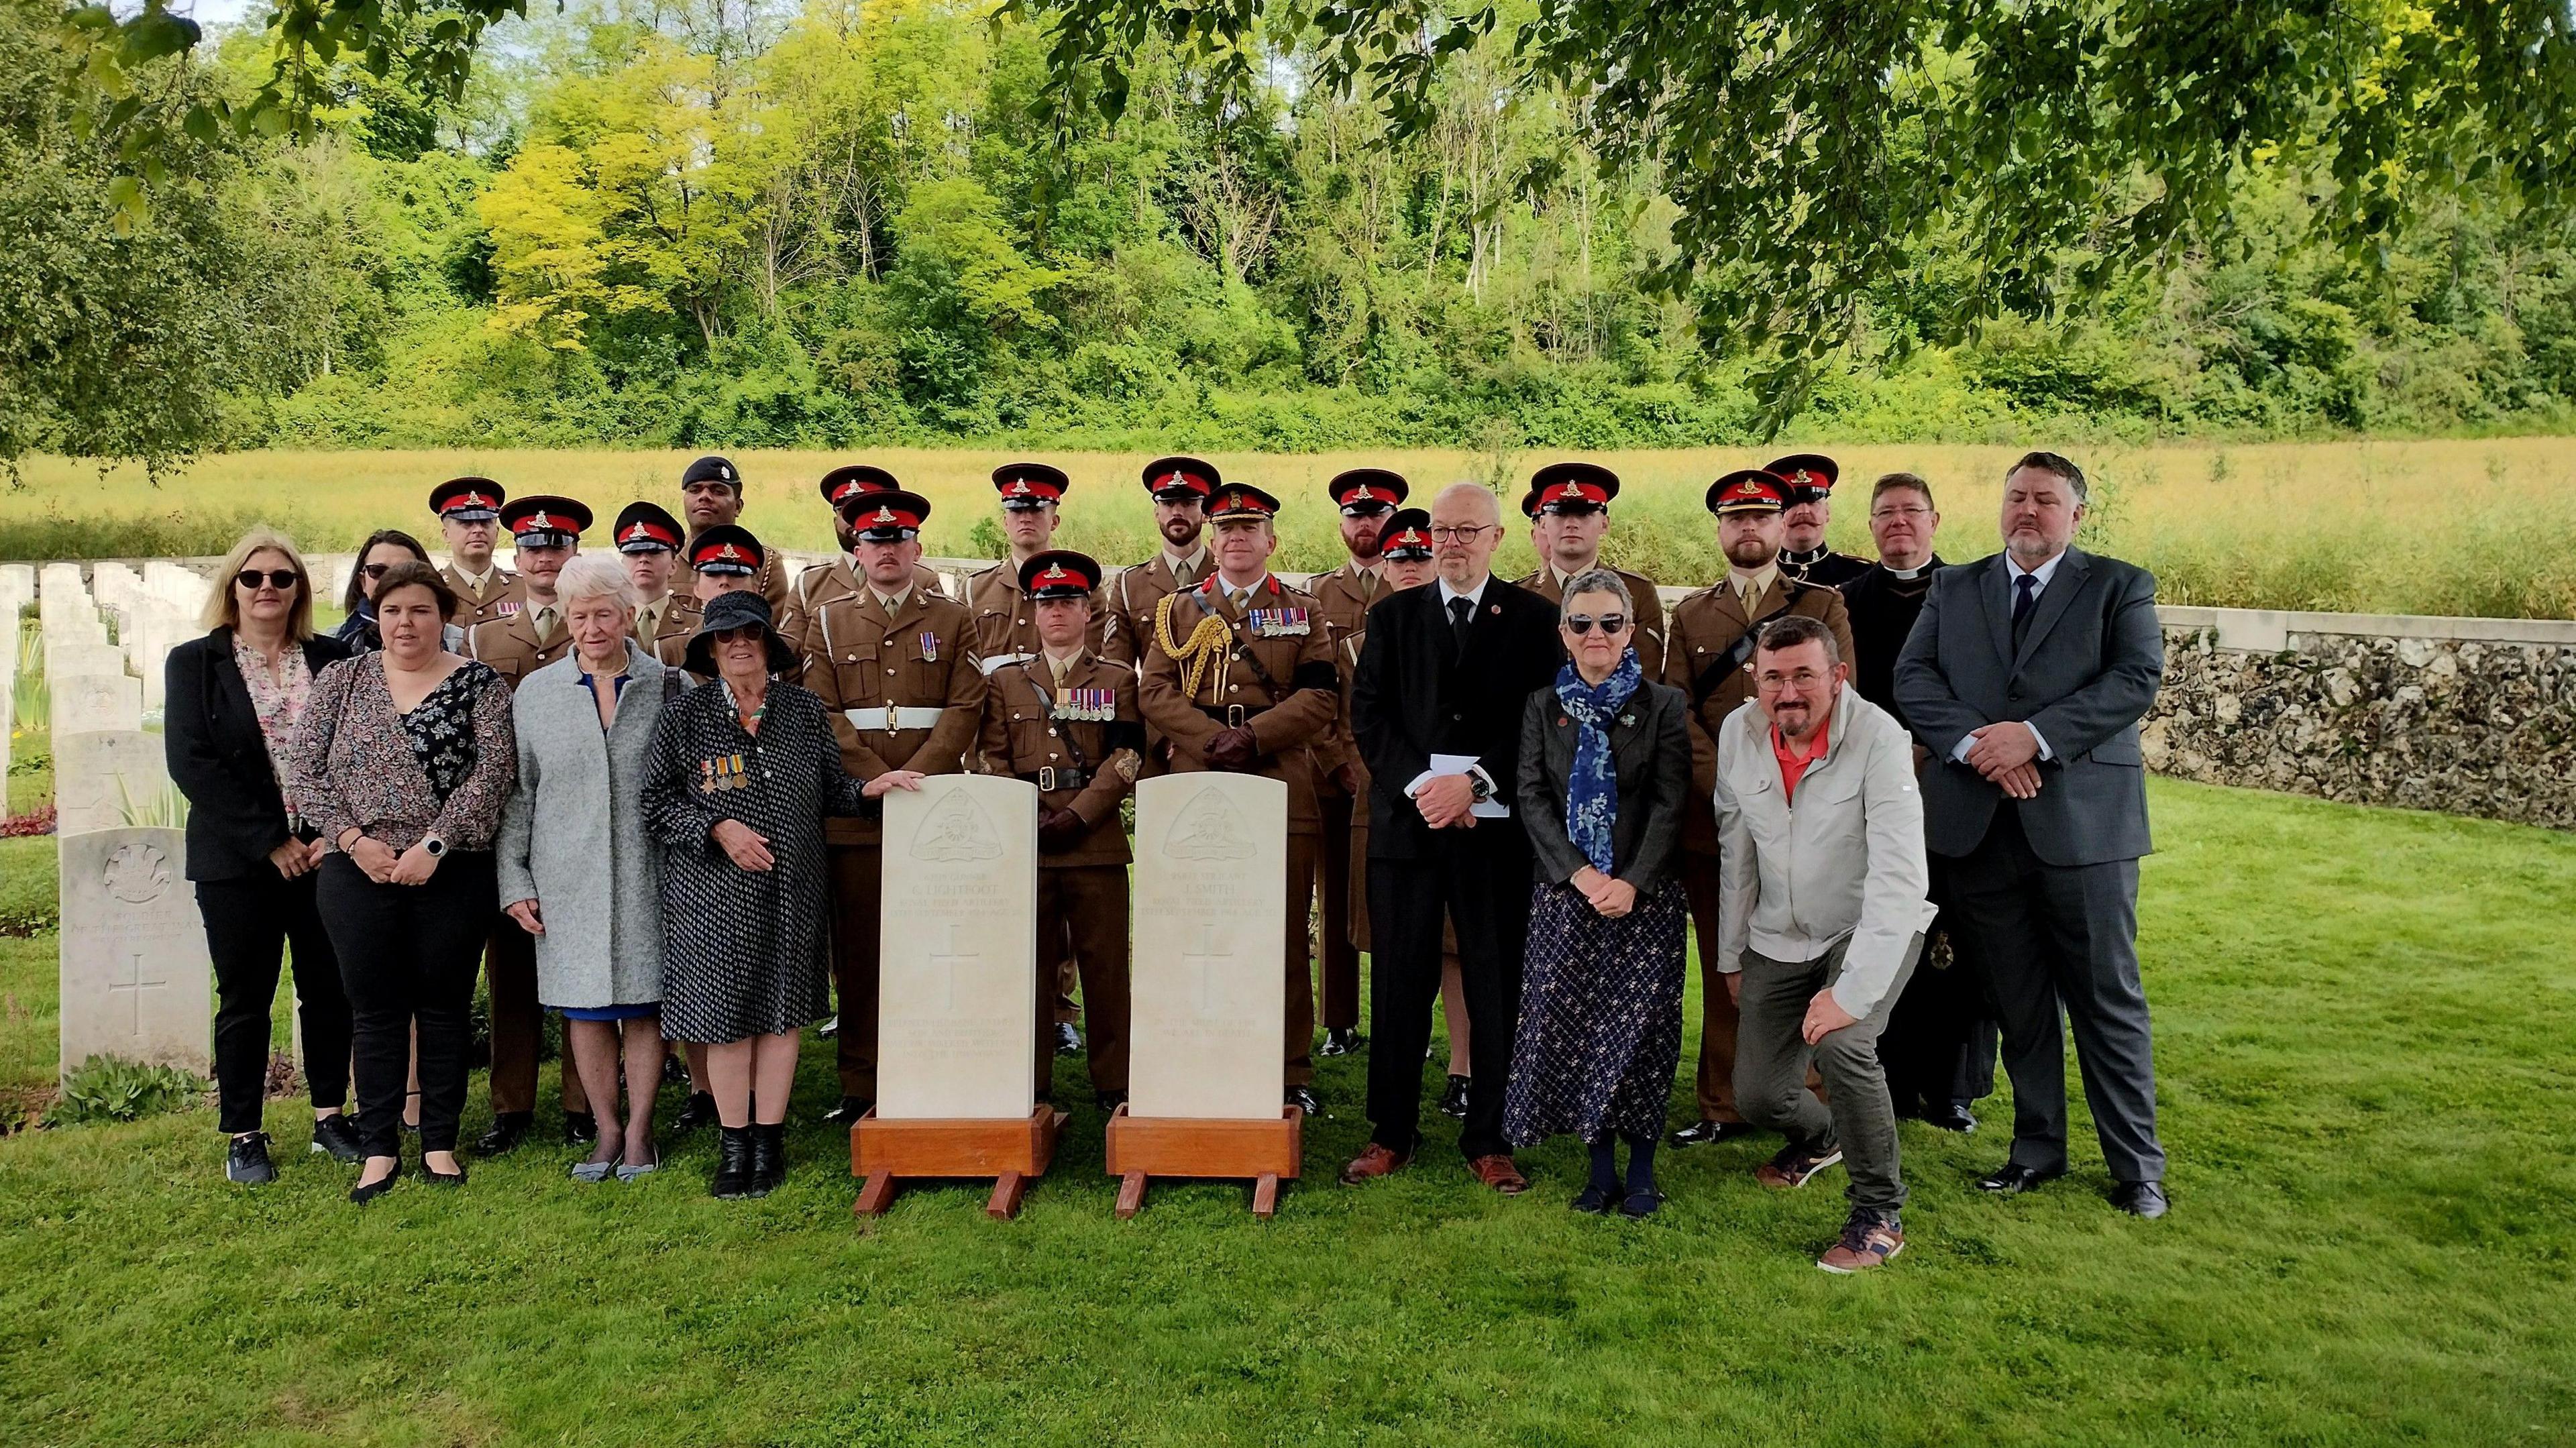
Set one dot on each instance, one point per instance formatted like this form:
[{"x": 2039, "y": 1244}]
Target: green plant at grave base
[
  {"x": 164, "y": 808},
  {"x": 108, "y": 1088}
]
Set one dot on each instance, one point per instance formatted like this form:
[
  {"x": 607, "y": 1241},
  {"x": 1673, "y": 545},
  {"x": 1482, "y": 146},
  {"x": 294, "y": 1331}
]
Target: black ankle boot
[
  {"x": 733, "y": 1163},
  {"x": 768, "y": 1159}
]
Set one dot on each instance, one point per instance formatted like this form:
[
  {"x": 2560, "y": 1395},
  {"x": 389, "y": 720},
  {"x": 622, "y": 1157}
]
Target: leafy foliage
[{"x": 109, "y": 1088}]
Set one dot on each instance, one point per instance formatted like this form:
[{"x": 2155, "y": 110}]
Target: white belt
[
  {"x": 893, "y": 718},
  {"x": 997, "y": 661}
]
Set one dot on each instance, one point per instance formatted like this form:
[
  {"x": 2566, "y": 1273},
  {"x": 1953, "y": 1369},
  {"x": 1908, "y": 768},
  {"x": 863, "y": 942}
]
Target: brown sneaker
[
  {"x": 1795, "y": 1164},
  {"x": 1375, "y": 1162},
  {"x": 1497, "y": 1171},
  {"x": 1869, "y": 1239}
]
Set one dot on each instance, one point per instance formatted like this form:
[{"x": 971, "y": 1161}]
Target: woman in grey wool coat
[{"x": 577, "y": 868}]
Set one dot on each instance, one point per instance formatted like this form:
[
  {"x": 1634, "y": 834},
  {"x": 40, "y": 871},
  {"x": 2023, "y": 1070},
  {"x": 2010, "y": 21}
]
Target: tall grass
[{"x": 2456, "y": 526}]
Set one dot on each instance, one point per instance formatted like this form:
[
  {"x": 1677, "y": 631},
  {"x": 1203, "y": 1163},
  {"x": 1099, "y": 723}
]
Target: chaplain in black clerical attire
[{"x": 1442, "y": 680}]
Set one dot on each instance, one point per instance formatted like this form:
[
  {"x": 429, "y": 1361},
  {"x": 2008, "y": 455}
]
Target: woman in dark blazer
[
  {"x": 234, "y": 698},
  {"x": 1605, "y": 765}
]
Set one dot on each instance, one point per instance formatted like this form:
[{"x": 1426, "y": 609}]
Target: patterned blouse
[
  {"x": 445, "y": 769},
  {"x": 278, "y": 699}
]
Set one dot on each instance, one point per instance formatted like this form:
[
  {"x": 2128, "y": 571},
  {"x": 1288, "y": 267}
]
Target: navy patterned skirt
[{"x": 1601, "y": 1018}]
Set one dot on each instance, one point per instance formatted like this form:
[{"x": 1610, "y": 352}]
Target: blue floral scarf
[{"x": 1592, "y": 797}]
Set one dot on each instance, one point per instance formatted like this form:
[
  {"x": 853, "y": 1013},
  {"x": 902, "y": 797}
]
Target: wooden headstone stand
[
  {"x": 1012, "y": 1152},
  {"x": 1144, "y": 1147}
]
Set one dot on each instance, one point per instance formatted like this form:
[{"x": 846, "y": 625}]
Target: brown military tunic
[
  {"x": 498, "y": 597},
  {"x": 824, "y": 582},
  {"x": 673, "y": 622},
  {"x": 1006, "y": 622},
  {"x": 1547, "y": 583},
  {"x": 1342, "y": 599},
  {"x": 509, "y": 643},
  {"x": 904, "y": 693},
  {"x": 1704, "y": 657},
  {"x": 1129, "y": 600},
  {"x": 1278, "y": 678},
  {"x": 1050, "y": 734}
]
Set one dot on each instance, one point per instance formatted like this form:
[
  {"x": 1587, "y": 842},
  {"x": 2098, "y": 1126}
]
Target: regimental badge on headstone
[
  {"x": 1211, "y": 828},
  {"x": 956, "y": 830}
]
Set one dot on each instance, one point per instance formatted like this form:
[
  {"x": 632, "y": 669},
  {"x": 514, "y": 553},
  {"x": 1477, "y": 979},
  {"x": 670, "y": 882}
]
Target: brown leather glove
[
  {"x": 1235, "y": 750},
  {"x": 1060, "y": 829}
]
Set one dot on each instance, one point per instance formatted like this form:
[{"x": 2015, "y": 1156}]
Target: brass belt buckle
[
  {"x": 1234, "y": 716},
  {"x": 889, "y": 722},
  {"x": 1046, "y": 779}
]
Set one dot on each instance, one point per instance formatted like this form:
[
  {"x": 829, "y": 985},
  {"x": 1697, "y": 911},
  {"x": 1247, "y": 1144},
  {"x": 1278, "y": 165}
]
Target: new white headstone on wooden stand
[
  {"x": 957, "y": 965},
  {"x": 136, "y": 981},
  {"x": 1210, "y": 988}
]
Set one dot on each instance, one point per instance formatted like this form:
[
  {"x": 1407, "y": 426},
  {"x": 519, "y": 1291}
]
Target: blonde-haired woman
[
  {"x": 577, "y": 868},
  {"x": 235, "y": 698}
]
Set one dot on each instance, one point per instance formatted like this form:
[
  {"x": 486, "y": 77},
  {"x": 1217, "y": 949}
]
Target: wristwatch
[
  {"x": 1479, "y": 787},
  {"x": 436, "y": 846}
]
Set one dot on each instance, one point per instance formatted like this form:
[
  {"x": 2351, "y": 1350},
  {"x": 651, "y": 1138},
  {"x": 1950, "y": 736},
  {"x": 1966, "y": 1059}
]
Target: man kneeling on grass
[{"x": 1822, "y": 910}]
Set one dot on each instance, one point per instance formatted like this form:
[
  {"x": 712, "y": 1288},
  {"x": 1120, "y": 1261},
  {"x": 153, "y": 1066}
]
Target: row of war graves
[{"x": 958, "y": 1008}]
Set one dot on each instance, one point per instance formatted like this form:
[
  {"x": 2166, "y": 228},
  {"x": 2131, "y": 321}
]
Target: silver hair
[
  {"x": 596, "y": 575},
  {"x": 1479, "y": 489},
  {"x": 1598, "y": 580}
]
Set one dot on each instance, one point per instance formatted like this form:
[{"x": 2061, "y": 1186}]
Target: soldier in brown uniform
[
  {"x": 1568, "y": 506},
  {"x": 1239, "y": 677},
  {"x": 895, "y": 664},
  {"x": 1367, "y": 497},
  {"x": 1179, "y": 487},
  {"x": 468, "y": 510},
  {"x": 547, "y": 533},
  {"x": 711, "y": 497},
  {"x": 648, "y": 539},
  {"x": 1067, "y": 722},
  {"x": 839, "y": 578},
  {"x": 1803, "y": 554},
  {"x": 1705, "y": 653}
]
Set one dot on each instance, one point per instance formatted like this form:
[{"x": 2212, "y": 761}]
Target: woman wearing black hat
[{"x": 741, "y": 776}]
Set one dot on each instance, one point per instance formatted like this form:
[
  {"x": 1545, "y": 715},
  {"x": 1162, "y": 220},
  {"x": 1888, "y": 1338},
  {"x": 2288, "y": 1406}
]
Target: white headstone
[
  {"x": 84, "y": 702},
  {"x": 957, "y": 986},
  {"x": 136, "y": 982},
  {"x": 99, "y": 774},
  {"x": 1209, "y": 986},
  {"x": 66, "y": 658}
]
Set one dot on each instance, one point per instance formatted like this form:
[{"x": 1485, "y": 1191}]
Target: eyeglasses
[
  {"x": 280, "y": 579},
  {"x": 1611, "y": 623},
  {"x": 375, "y": 570},
  {"x": 1912, "y": 511},
  {"x": 1463, "y": 533}
]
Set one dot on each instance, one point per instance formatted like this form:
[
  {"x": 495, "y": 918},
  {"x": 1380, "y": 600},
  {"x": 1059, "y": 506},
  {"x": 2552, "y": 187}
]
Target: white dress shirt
[{"x": 2040, "y": 577}]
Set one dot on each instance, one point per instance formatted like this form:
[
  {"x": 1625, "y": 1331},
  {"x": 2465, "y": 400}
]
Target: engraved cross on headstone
[
  {"x": 138, "y": 985},
  {"x": 950, "y": 958},
  {"x": 1206, "y": 957}
]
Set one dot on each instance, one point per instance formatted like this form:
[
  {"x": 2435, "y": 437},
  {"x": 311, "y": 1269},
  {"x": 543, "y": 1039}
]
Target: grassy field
[
  {"x": 2457, "y": 527},
  {"x": 2365, "y": 1024}
]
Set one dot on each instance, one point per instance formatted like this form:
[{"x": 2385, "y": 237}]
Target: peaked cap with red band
[
  {"x": 1177, "y": 479},
  {"x": 545, "y": 521},
  {"x": 1809, "y": 476},
  {"x": 1241, "y": 500},
  {"x": 1407, "y": 535},
  {"x": 1747, "y": 490},
  {"x": 1027, "y": 485},
  {"x": 647, "y": 528},
  {"x": 727, "y": 548},
  {"x": 468, "y": 500},
  {"x": 1365, "y": 491},
  {"x": 890, "y": 516},
  {"x": 1060, "y": 573},
  {"x": 841, "y": 482},
  {"x": 1569, "y": 488}
]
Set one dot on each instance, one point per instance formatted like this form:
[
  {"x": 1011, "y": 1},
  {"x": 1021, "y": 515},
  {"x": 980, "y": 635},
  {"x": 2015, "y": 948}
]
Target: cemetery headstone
[{"x": 135, "y": 978}]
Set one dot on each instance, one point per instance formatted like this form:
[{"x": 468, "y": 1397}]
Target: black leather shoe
[
  {"x": 439, "y": 1178},
  {"x": 508, "y": 1130},
  {"x": 674, "y": 1071},
  {"x": 850, "y": 1110},
  {"x": 2140, "y": 1199},
  {"x": 1705, "y": 1133},
  {"x": 699, "y": 1111},
  {"x": 1453, "y": 1102},
  {"x": 768, "y": 1159},
  {"x": 374, "y": 1189},
  {"x": 1638, "y": 1205},
  {"x": 1594, "y": 1201},
  {"x": 581, "y": 1128},
  {"x": 336, "y": 1137},
  {"x": 1068, "y": 1041},
  {"x": 1109, "y": 1100},
  {"x": 1342, "y": 1041},
  {"x": 246, "y": 1160},
  {"x": 1950, "y": 1117},
  {"x": 2012, "y": 1179},
  {"x": 733, "y": 1163},
  {"x": 1305, "y": 1099}
]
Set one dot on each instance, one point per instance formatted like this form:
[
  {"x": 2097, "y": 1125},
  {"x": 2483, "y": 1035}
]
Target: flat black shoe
[
  {"x": 1950, "y": 1117},
  {"x": 847, "y": 1113},
  {"x": 1068, "y": 1041},
  {"x": 2140, "y": 1199},
  {"x": 1453, "y": 1102},
  {"x": 1109, "y": 1100},
  {"x": 1342, "y": 1041},
  {"x": 1593, "y": 1201},
  {"x": 374, "y": 1189},
  {"x": 1305, "y": 1099},
  {"x": 508, "y": 1130},
  {"x": 768, "y": 1159},
  {"x": 2012, "y": 1179},
  {"x": 1706, "y": 1133},
  {"x": 1638, "y": 1206},
  {"x": 438, "y": 1178},
  {"x": 246, "y": 1160},
  {"x": 733, "y": 1163},
  {"x": 336, "y": 1137},
  {"x": 699, "y": 1111},
  {"x": 581, "y": 1128}
]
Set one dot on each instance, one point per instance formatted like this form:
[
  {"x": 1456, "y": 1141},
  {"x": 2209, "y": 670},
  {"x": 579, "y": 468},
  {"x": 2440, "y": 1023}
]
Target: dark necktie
[
  {"x": 1462, "y": 615},
  {"x": 2025, "y": 592}
]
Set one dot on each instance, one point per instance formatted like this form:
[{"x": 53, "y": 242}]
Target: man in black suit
[
  {"x": 1446, "y": 672},
  {"x": 2026, "y": 677}
]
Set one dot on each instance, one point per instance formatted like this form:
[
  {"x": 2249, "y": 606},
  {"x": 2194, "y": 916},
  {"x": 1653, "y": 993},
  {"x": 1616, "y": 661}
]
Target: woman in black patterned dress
[{"x": 743, "y": 771}]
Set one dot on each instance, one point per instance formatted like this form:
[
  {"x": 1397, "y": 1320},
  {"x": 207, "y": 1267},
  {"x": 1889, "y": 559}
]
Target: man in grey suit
[{"x": 2025, "y": 676}]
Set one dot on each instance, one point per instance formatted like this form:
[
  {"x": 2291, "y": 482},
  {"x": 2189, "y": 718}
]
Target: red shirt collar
[{"x": 1793, "y": 766}]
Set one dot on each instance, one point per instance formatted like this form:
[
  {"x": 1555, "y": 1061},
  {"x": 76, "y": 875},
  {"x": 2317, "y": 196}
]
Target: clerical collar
[{"x": 1915, "y": 572}]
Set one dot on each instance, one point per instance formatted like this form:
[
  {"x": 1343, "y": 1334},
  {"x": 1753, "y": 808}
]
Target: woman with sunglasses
[
  {"x": 1605, "y": 766},
  {"x": 235, "y": 698},
  {"x": 384, "y": 548}
]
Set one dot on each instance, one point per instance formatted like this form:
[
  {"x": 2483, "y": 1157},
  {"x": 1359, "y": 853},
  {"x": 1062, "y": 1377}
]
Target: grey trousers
[{"x": 1771, "y": 1059}]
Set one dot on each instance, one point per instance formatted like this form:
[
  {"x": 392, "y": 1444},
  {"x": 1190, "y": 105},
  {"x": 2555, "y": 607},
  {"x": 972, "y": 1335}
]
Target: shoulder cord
[{"x": 1207, "y": 642}]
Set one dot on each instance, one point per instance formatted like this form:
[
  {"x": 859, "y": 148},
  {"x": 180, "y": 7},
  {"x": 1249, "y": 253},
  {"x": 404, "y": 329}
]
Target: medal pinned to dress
[
  {"x": 1096, "y": 706},
  {"x": 1276, "y": 623},
  {"x": 929, "y": 647}
]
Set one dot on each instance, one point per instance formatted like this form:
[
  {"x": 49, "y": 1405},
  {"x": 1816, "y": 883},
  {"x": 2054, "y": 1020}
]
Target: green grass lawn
[{"x": 2367, "y": 1024}]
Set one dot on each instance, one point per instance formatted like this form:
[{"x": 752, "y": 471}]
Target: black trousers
[
  {"x": 1479, "y": 879},
  {"x": 1939, "y": 1048},
  {"x": 250, "y": 923},
  {"x": 2055, "y": 936},
  {"x": 408, "y": 953}
]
